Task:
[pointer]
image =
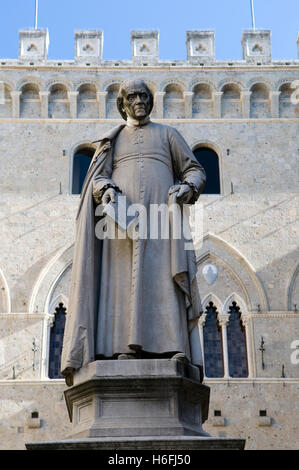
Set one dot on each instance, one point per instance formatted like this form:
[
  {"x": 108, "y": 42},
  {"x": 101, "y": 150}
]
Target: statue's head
[{"x": 134, "y": 99}]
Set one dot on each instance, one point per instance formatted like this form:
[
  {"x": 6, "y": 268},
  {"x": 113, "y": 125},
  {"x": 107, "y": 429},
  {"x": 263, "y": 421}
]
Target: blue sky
[{"x": 171, "y": 17}]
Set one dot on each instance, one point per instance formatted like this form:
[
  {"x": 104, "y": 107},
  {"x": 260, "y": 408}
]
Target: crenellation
[
  {"x": 88, "y": 47},
  {"x": 200, "y": 47},
  {"x": 200, "y": 51},
  {"x": 256, "y": 46},
  {"x": 33, "y": 45},
  {"x": 145, "y": 47}
]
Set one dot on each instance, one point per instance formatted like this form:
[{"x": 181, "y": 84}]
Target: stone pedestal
[
  {"x": 138, "y": 404},
  {"x": 137, "y": 398}
]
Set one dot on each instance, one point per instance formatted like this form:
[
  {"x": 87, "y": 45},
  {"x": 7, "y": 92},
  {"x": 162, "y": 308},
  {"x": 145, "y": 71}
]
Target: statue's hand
[
  {"x": 184, "y": 193},
  {"x": 109, "y": 195}
]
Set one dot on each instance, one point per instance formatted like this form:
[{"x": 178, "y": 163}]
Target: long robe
[{"x": 128, "y": 294}]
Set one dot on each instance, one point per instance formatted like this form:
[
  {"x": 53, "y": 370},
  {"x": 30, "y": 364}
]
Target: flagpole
[
  {"x": 252, "y": 15},
  {"x": 35, "y": 16}
]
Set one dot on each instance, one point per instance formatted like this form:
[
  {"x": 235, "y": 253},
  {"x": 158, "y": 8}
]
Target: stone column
[
  {"x": 73, "y": 103},
  {"x": 102, "y": 102},
  {"x": 223, "y": 321},
  {"x": 159, "y": 100},
  {"x": 246, "y": 322},
  {"x": 245, "y": 104},
  {"x": 217, "y": 96},
  {"x": 47, "y": 325},
  {"x": 274, "y": 103},
  {"x": 2, "y": 93},
  {"x": 44, "y": 103},
  {"x": 188, "y": 95},
  {"x": 201, "y": 324},
  {"x": 15, "y": 96}
]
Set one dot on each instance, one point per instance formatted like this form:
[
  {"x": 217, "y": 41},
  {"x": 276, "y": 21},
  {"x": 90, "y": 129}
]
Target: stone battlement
[{"x": 200, "y": 50}]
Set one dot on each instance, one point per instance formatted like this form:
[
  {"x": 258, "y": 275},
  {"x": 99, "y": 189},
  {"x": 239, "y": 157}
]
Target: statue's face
[{"x": 136, "y": 102}]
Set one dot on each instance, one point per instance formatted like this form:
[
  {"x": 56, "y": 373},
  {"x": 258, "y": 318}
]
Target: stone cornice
[{"x": 280, "y": 65}]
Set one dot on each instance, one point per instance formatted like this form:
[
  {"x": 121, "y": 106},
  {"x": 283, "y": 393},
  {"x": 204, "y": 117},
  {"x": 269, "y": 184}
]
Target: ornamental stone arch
[
  {"x": 259, "y": 80},
  {"x": 5, "y": 299},
  {"x": 9, "y": 83},
  {"x": 234, "y": 297},
  {"x": 293, "y": 291},
  {"x": 211, "y": 297},
  {"x": 87, "y": 82},
  {"x": 112, "y": 81},
  {"x": 235, "y": 274},
  {"x": 60, "y": 298},
  {"x": 231, "y": 81},
  {"x": 196, "y": 143},
  {"x": 202, "y": 81},
  {"x": 60, "y": 81},
  {"x": 152, "y": 84},
  {"x": 284, "y": 81},
  {"x": 48, "y": 278},
  {"x": 174, "y": 81},
  {"x": 30, "y": 81}
]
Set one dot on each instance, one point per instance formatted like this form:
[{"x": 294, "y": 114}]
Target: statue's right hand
[
  {"x": 109, "y": 195},
  {"x": 69, "y": 376}
]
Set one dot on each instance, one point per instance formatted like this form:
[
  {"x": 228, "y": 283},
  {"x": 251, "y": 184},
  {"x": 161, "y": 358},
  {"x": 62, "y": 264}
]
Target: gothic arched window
[
  {"x": 56, "y": 339},
  {"x": 212, "y": 343},
  {"x": 208, "y": 158},
  {"x": 236, "y": 343},
  {"x": 81, "y": 162}
]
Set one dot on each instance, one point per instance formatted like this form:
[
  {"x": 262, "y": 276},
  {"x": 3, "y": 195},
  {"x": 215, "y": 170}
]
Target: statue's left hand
[{"x": 184, "y": 193}]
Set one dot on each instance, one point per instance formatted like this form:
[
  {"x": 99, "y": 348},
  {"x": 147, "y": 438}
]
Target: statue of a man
[{"x": 134, "y": 297}]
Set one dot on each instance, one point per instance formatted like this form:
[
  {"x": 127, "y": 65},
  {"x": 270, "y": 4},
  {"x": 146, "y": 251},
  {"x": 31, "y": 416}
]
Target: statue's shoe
[{"x": 125, "y": 356}]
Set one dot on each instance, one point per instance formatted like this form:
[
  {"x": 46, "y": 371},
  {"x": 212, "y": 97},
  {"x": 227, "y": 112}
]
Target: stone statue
[{"x": 134, "y": 297}]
